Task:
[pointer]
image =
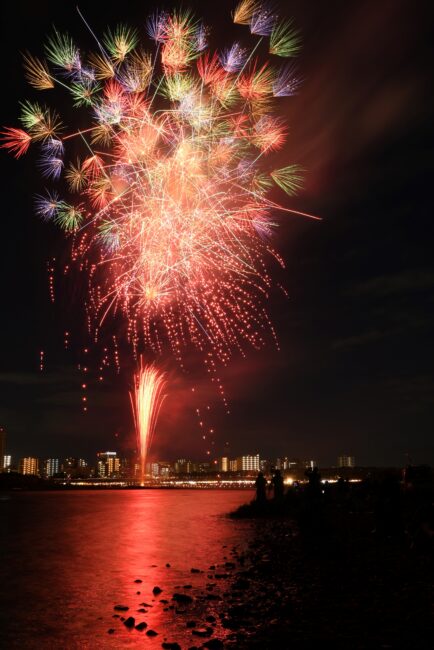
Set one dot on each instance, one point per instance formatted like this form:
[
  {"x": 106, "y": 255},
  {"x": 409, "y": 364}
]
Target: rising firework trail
[
  {"x": 176, "y": 189},
  {"x": 146, "y": 399}
]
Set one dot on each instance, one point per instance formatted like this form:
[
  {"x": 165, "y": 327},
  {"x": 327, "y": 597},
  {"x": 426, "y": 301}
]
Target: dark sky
[{"x": 355, "y": 368}]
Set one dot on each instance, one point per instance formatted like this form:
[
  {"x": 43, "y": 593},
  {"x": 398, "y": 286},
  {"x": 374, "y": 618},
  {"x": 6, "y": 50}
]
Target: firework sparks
[
  {"x": 173, "y": 218},
  {"x": 173, "y": 207},
  {"x": 146, "y": 400}
]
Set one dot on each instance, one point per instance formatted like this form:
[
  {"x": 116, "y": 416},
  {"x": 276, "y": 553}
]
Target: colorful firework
[
  {"x": 173, "y": 218},
  {"x": 146, "y": 400}
]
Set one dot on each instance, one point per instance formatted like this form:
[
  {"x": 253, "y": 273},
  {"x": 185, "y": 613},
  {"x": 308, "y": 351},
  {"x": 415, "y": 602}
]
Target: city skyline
[
  {"x": 343, "y": 458},
  {"x": 108, "y": 465},
  {"x": 327, "y": 460},
  {"x": 109, "y": 462}
]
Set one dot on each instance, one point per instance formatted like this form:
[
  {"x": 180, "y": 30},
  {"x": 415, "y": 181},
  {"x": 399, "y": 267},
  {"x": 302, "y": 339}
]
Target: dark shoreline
[{"x": 349, "y": 566}]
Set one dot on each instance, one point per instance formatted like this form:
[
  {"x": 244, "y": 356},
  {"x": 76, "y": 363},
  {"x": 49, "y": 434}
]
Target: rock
[
  {"x": 163, "y": 601},
  {"x": 191, "y": 623},
  {"x": 138, "y": 580},
  {"x": 203, "y": 631},
  {"x": 156, "y": 591},
  {"x": 130, "y": 622},
  {"x": 187, "y": 586},
  {"x": 145, "y": 605},
  {"x": 230, "y": 624},
  {"x": 212, "y": 567},
  {"x": 121, "y": 608},
  {"x": 110, "y": 631},
  {"x": 138, "y": 593},
  {"x": 229, "y": 565},
  {"x": 182, "y": 598},
  {"x": 141, "y": 626},
  {"x": 142, "y": 610},
  {"x": 213, "y": 644},
  {"x": 152, "y": 633},
  {"x": 171, "y": 646},
  {"x": 115, "y": 615},
  {"x": 210, "y": 619},
  {"x": 195, "y": 570},
  {"x": 238, "y": 610},
  {"x": 221, "y": 576},
  {"x": 168, "y": 565}
]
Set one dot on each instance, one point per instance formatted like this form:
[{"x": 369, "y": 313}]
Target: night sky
[{"x": 354, "y": 370}]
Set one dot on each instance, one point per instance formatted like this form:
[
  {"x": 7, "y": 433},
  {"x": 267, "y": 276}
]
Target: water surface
[{"x": 69, "y": 557}]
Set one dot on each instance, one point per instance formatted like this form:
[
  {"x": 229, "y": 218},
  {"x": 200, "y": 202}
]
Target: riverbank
[
  {"x": 306, "y": 580},
  {"x": 345, "y": 588},
  {"x": 14, "y": 482},
  {"x": 349, "y": 566}
]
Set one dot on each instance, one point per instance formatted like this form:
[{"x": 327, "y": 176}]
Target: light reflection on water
[{"x": 68, "y": 558}]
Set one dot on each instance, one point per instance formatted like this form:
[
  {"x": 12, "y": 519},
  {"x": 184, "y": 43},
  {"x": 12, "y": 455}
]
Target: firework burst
[
  {"x": 172, "y": 187},
  {"x": 172, "y": 216}
]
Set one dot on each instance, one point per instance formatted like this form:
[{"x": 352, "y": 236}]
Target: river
[{"x": 68, "y": 558}]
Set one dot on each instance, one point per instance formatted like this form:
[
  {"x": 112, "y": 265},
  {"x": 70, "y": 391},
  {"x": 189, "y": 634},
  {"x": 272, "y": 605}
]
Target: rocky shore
[{"x": 312, "y": 572}]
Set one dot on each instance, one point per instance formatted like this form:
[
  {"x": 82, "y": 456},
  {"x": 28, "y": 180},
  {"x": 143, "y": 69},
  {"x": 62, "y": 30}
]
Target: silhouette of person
[
  {"x": 313, "y": 489},
  {"x": 278, "y": 485},
  {"x": 260, "y": 484}
]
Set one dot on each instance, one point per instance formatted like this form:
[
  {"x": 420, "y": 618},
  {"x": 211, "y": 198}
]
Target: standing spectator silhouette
[
  {"x": 278, "y": 485},
  {"x": 260, "y": 484},
  {"x": 313, "y": 488}
]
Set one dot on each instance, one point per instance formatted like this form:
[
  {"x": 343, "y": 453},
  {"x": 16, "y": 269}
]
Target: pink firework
[{"x": 146, "y": 400}]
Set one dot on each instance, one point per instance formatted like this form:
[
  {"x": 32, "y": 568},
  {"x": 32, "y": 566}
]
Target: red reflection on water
[
  {"x": 185, "y": 531},
  {"x": 70, "y": 557}
]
